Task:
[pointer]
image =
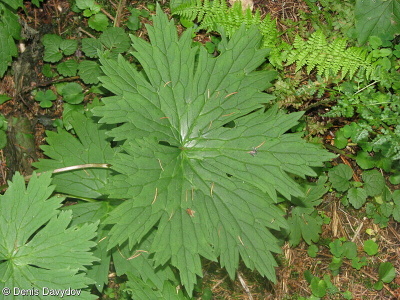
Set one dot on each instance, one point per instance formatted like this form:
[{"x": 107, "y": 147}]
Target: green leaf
[
  {"x": 318, "y": 287},
  {"x": 312, "y": 251},
  {"x": 91, "y": 46},
  {"x": 396, "y": 208},
  {"x": 115, "y": 39},
  {"x": 14, "y": 3},
  {"x": 349, "y": 250},
  {"x": 37, "y": 247},
  {"x": 139, "y": 262},
  {"x": 68, "y": 47},
  {"x": 9, "y": 30},
  {"x": 72, "y": 93},
  {"x": 98, "y": 22},
  {"x": 340, "y": 176},
  {"x": 52, "y": 54},
  {"x": 357, "y": 263},
  {"x": 201, "y": 182},
  {"x": 3, "y": 139},
  {"x": 340, "y": 139},
  {"x": 68, "y": 68},
  {"x": 374, "y": 182},
  {"x": 69, "y": 111},
  {"x": 377, "y": 18},
  {"x": 370, "y": 247},
  {"x": 63, "y": 149},
  {"x": 89, "y": 71},
  {"x": 304, "y": 221},
  {"x": 143, "y": 290},
  {"x": 45, "y": 98},
  {"x": 4, "y": 98},
  {"x": 47, "y": 71},
  {"x": 336, "y": 248},
  {"x": 93, "y": 212},
  {"x": 386, "y": 272},
  {"x": 357, "y": 197},
  {"x": 52, "y": 40}
]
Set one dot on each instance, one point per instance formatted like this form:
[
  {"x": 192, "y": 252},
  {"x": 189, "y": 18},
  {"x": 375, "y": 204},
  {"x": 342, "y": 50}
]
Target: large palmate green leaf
[
  {"x": 195, "y": 162},
  {"x": 40, "y": 254}
]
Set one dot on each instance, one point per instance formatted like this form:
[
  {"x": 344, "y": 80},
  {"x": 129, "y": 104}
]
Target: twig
[
  {"x": 118, "y": 14},
  {"x": 47, "y": 83},
  {"x": 359, "y": 91},
  {"x": 87, "y": 33},
  {"x": 244, "y": 285},
  {"x": 72, "y": 168},
  {"x": 108, "y": 14},
  {"x": 65, "y": 169}
]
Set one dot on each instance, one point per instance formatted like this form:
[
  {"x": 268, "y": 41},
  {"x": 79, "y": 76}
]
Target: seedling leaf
[
  {"x": 374, "y": 182},
  {"x": 370, "y": 247},
  {"x": 340, "y": 176},
  {"x": 68, "y": 68},
  {"x": 98, "y": 22},
  {"x": 89, "y": 71},
  {"x": 357, "y": 197},
  {"x": 386, "y": 272}
]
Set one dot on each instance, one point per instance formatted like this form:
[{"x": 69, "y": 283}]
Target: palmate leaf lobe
[{"x": 208, "y": 189}]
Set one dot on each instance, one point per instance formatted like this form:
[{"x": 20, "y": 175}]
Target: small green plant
[
  {"x": 45, "y": 98},
  {"x": 133, "y": 22},
  {"x": 386, "y": 274},
  {"x": 97, "y": 20},
  {"x": 383, "y": 203},
  {"x": 322, "y": 287}
]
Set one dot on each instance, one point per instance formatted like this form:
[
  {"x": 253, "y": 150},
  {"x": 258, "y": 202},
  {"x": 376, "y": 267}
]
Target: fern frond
[
  {"x": 328, "y": 58},
  {"x": 217, "y": 14}
]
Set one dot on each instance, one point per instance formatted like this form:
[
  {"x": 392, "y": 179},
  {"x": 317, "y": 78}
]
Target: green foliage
[
  {"x": 182, "y": 169},
  {"x": 339, "y": 177},
  {"x": 386, "y": 272},
  {"x": 217, "y": 16},
  {"x": 72, "y": 93},
  {"x": 97, "y": 20},
  {"x": 56, "y": 47},
  {"x": 381, "y": 203},
  {"x": 45, "y": 98},
  {"x": 370, "y": 247},
  {"x": 328, "y": 57},
  {"x": 380, "y": 18},
  {"x": 65, "y": 150},
  {"x": 133, "y": 22},
  {"x": 9, "y": 31},
  {"x": 38, "y": 248},
  {"x": 304, "y": 221},
  {"x": 3, "y": 129}
]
